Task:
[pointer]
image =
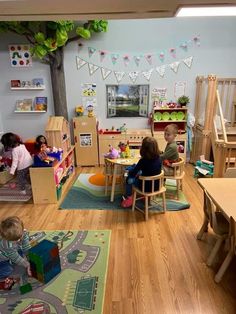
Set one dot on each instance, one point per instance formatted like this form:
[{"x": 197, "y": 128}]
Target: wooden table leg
[
  {"x": 204, "y": 227},
  {"x": 113, "y": 185}
]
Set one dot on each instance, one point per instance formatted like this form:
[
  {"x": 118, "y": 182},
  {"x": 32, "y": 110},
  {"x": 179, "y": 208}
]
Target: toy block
[
  {"x": 25, "y": 288},
  {"x": 44, "y": 260}
]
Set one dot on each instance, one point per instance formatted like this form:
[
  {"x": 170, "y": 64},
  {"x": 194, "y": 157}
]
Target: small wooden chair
[
  {"x": 218, "y": 223},
  {"x": 149, "y": 195},
  {"x": 231, "y": 252},
  {"x": 108, "y": 173},
  {"x": 178, "y": 173},
  {"x": 230, "y": 173}
]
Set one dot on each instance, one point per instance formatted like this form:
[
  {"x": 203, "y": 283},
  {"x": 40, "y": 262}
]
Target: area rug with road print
[{"x": 80, "y": 285}]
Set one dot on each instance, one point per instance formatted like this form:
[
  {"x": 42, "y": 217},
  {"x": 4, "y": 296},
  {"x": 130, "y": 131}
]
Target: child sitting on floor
[
  {"x": 14, "y": 243},
  {"x": 148, "y": 165}
]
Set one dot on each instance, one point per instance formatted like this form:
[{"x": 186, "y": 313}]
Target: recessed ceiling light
[{"x": 207, "y": 11}]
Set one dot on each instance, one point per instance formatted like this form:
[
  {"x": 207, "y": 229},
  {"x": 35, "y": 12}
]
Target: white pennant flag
[
  {"x": 188, "y": 61},
  {"x": 174, "y": 66},
  {"x": 80, "y": 62},
  {"x": 133, "y": 76},
  {"x": 119, "y": 75},
  {"x": 161, "y": 70},
  {"x": 105, "y": 73},
  {"x": 147, "y": 74},
  {"x": 92, "y": 68}
]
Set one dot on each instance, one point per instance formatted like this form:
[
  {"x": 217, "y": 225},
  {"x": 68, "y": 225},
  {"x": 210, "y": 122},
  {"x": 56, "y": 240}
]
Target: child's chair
[
  {"x": 108, "y": 172},
  {"x": 218, "y": 223},
  {"x": 178, "y": 173},
  {"x": 231, "y": 252},
  {"x": 230, "y": 173},
  {"x": 147, "y": 196}
]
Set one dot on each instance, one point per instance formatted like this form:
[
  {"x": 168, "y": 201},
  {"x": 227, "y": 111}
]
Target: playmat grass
[
  {"x": 88, "y": 192},
  {"x": 78, "y": 288}
]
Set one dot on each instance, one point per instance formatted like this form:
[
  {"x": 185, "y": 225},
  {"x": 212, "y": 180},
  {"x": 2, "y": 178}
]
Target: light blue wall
[{"x": 216, "y": 54}]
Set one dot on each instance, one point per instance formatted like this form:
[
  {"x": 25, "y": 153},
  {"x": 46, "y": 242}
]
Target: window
[{"x": 127, "y": 100}]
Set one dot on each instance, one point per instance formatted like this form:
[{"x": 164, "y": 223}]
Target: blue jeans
[{"x": 6, "y": 268}]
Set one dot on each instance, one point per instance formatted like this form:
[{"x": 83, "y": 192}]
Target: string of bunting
[
  {"x": 149, "y": 57},
  {"x": 133, "y": 75}
]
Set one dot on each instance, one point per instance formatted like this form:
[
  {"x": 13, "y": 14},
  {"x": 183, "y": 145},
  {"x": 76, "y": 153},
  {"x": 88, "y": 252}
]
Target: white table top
[{"x": 222, "y": 192}]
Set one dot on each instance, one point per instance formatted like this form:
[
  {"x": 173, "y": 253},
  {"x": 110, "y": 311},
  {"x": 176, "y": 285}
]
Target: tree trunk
[{"x": 58, "y": 83}]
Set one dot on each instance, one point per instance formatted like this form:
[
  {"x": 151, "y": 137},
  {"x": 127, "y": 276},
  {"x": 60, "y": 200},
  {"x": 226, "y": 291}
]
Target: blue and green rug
[{"x": 88, "y": 192}]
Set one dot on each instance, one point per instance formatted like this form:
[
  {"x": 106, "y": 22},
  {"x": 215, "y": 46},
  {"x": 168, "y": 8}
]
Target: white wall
[{"x": 216, "y": 54}]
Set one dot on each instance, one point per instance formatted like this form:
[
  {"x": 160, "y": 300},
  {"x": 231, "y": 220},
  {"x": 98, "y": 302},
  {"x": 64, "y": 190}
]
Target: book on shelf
[
  {"x": 38, "y": 82},
  {"x": 40, "y": 104},
  {"x": 15, "y": 83},
  {"x": 24, "y": 105}
]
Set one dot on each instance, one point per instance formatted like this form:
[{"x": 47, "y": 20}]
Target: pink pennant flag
[
  {"x": 102, "y": 54},
  {"x": 149, "y": 58},
  {"x": 91, "y": 51},
  {"x": 196, "y": 40},
  {"x": 126, "y": 59},
  {"x": 173, "y": 52},
  {"x": 161, "y": 56},
  {"x": 114, "y": 58}
]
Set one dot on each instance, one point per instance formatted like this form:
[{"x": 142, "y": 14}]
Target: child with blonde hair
[
  {"x": 14, "y": 244},
  {"x": 170, "y": 154}
]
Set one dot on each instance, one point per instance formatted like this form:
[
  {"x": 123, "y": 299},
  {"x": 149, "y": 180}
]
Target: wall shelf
[
  {"x": 28, "y": 88},
  {"x": 30, "y": 111}
]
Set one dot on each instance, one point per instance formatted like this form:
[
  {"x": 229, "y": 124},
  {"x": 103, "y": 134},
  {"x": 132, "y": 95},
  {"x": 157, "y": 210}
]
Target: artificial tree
[{"x": 47, "y": 40}]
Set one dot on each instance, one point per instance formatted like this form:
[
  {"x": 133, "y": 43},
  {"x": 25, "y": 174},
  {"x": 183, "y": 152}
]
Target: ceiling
[{"x": 94, "y": 9}]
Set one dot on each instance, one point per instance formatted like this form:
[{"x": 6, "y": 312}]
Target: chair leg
[
  {"x": 134, "y": 200},
  {"x": 106, "y": 184},
  {"x": 203, "y": 228},
  {"x": 146, "y": 208},
  {"x": 224, "y": 266},
  {"x": 215, "y": 251}
]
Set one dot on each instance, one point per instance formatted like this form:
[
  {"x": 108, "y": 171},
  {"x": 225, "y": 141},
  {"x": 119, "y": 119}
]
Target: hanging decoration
[
  {"x": 80, "y": 62},
  {"x": 119, "y": 76},
  {"x": 161, "y": 70},
  {"x": 148, "y": 57},
  {"x": 147, "y": 74},
  {"x": 133, "y": 76},
  {"x": 161, "y": 53},
  {"x": 102, "y": 54},
  {"x": 92, "y": 68},
  {"x": 137, "y": 59},
  {"x": 126, "y": 59},
  {"x": 174, "y": 66},
  {"x": 188, "y": 61},
  {"x": 91, "y": 51},
  {"x": 105, "y": 73},
  {"x": 114, "y": 58},
  {"x": 161, "y": 56}
]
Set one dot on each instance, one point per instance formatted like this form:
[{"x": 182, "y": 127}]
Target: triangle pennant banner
[
  {"x": 92, "y": 68},
  {"x": 147, "y": 74},
  {"x": 105, "y": 73},
  {"x": 80, "y": 62},
  {"x": 184, "y": 46},
  {"x": 149, "y": 58},
  {"x": 133, "y": 76},
  {"x": 126, "y": 59},
  {"x": 188, "y": 61},
  {"x": 174, "y": 66},
  {"x": 161, "y": 56},
  {"x": 161, "y": 70},
  {"x": 137, "y": 60},
  {"x": 119, "y": 75},
  {"x": 114, "y": 58},
  {"x": 102, "y": 54},
  {"x": 91, "y": 51}
]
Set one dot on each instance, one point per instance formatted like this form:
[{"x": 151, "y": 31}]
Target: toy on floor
[
  {"x": 112, "y": 154},
  {"x": 44, "y": 261}
]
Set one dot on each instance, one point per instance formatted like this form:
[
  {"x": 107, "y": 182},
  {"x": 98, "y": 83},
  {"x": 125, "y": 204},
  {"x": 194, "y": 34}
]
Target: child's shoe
[
  {"x": 7, "y": 284},
  {"x": 127, "y": 202}
]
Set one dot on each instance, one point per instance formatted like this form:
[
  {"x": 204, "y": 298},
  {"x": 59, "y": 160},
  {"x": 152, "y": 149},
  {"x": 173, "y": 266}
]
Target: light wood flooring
[{"x": 154, "y": 267}]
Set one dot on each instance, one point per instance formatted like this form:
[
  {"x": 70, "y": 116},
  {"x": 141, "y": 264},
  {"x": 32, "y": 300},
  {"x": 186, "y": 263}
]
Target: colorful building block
[
  {"x": 25, "y": 288},
  {"x": 44, "y": 261}
]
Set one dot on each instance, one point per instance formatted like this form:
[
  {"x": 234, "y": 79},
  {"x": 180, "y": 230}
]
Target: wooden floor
[{"x": 154, "y": 267}]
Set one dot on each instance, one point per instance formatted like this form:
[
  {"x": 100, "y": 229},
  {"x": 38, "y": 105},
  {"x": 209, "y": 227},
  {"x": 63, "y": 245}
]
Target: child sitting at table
[
  {"x": 170, "y": 155},
  {"x": 148, "y": 165},
  {"x": 14, "y": 244}
]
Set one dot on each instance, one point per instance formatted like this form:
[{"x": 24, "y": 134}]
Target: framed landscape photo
[{"x": 127, "y": 100}]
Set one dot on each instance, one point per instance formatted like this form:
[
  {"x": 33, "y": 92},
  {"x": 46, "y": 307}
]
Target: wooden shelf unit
[
  {"x": 28, "y": 88},
  {"x": 46, "y": 187}
]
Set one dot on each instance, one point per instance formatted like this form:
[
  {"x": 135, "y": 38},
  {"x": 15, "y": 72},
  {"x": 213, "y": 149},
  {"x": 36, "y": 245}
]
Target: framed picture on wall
[{"x": 127, "y": 101}]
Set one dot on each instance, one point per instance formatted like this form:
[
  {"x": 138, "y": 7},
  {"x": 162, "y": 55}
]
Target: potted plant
[{"x": 183, "y": 100}]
